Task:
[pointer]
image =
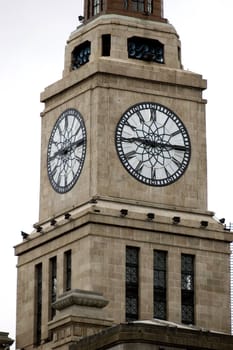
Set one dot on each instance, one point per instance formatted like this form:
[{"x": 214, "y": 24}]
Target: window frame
[
  {"x": 187, "y": 288},
  {"x": 131, "y": 287},
  {"x": 160, "y": 284}
]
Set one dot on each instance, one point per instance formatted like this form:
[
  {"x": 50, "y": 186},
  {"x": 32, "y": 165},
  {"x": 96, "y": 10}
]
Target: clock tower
[{"x": 124, "y": 232}]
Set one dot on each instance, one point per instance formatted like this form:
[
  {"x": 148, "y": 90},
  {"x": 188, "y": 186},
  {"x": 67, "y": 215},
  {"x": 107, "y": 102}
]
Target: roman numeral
[
  {"x": 153, "y": 173},
  {"x": 130, "y": 126},
  {"x": 141, "y": 119},
  {"x": 175, "y": 133},
  {"x": 167, "y": 172},
  {"x": 66, "y": 122},
  {"x": 139, "y": 167},
  {"x": 130, "y": 155},
  {"x": 153, "y": 115},
  {"x": 176, "y": 161}
]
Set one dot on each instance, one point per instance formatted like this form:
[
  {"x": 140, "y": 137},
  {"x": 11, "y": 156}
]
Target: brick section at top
[{"x": 144, "y": 9}]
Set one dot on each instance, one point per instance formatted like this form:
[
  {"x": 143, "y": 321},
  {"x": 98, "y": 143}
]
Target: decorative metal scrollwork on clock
[
  {"x": 66, "y": 150},
  {"x": 153, "y": 144}
]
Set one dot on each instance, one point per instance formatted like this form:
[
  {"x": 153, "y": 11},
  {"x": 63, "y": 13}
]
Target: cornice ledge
[{"x": 80, "y": 298}]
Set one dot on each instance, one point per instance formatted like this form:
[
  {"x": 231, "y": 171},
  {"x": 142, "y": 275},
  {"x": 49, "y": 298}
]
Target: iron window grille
[
  {"x": 160, "y": 285},
  {"x": 132, "y": 283},
  {"x": 146, "y": 49},
  {"x": 81, "y": 54},
  {"x": 187, "y": 288},
  {"x": 53, "y": 285},
  {"x": 144, "y": 6}
]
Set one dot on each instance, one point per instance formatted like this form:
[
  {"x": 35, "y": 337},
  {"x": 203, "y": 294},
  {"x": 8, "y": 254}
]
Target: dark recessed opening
[{"x": 106, "y": 44}]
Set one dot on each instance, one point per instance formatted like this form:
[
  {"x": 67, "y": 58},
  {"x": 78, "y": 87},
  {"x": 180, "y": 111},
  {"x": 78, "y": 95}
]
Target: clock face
[
  {"x": 66, "y": 150},
  {"x": 153, "y": 144}
]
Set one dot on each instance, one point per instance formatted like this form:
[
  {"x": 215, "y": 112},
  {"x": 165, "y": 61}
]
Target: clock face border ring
[
  {"x": 66, "y": 150},
  {"x": 153, "y": 144}
]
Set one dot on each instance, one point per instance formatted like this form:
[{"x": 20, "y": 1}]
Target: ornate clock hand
[
  {"x": 67, "y": 149},
  {"x": 152, "y": 143},
  {"x": 157, "y": 149},
  {"x": 165, "y": 145},
  {"x": 77, "y": 143}
]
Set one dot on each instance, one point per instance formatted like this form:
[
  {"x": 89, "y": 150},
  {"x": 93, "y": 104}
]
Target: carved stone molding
[{"x": 80, "y": 298}]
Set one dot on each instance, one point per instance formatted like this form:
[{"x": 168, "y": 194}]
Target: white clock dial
[
  {"x": 66, "y": 150},
  {"x": 153, "y": 144}
]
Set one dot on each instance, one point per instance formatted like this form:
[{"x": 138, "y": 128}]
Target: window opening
[
  {"x": 67, "y": 270},
  {"x": 187, "y": 288},
  {"x": 38, "y": 313},
  {"x": 149, "y": 6},
  {"x": 126, "y": 4},
  {"x": 53, "y": 285},
  {"x": 81, "y": 54},
  {"x": 138, "y": 5},
  {"x": 132, "y": 283},
  {"x": 106, "y": 44},
  {"x": 97, "y": 6},
  {"x": 160, "y": 284},
  {"x": 145, "y": 49}
]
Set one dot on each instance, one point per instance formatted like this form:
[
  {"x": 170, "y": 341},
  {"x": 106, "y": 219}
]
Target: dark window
[
  {"x": 145, "y": 49},
  {"x": 144, "y": 6},
  {"x": 160, "y": 284},
  {"x": 38, "y": 303},
  {"x": 132, "y": 255},
  {"x": 187, "y": 288},
  {"x": 67, "y": 270},
  {"x": 53, "y": 285},
  {"x": 80, "y": 55},
  {"x": 138, "y": 5},
  {"x": 106, "y": 44}
]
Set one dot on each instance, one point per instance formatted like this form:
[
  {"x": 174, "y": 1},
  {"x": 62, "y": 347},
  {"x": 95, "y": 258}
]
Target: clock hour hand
[
  {"x": 154, "y": 144},
  {"x": 65, "y": 150},
  {"x": 76, "y": 144},
  {"x": 131, "y": 139}
]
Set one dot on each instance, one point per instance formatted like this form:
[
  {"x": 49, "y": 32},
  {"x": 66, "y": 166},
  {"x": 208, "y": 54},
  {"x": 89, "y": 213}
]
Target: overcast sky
[{"x": 32, "y": 38}]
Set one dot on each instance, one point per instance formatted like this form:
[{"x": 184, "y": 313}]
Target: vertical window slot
[
  {"x": 160, "y": 285},
  {"x": 187, "y": 288},
  {"x": 106, "y": 44},
  {"x": 132, "y": 283}
]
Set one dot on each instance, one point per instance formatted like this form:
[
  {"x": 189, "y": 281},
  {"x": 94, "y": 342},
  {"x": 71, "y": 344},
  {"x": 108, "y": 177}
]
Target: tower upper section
[{"x": 151, "y": 9}]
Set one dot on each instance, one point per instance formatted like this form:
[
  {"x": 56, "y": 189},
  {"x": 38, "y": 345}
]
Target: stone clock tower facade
[{"x": 124, "y": 232}]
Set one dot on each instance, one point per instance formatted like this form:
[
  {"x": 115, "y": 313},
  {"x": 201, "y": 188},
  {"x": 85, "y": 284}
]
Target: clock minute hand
[
  {"x": 152, "y": 143},
  {"x": 130, "y": 139},
  {"x": 163, "y": 145}
]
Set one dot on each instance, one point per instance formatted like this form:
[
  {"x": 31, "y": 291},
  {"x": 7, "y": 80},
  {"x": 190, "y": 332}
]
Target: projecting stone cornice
[{"x": 80, "y": 298}]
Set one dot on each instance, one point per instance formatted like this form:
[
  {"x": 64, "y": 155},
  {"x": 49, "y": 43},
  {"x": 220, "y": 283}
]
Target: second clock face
[
  {"x": 153, "y": 144},
  {"x": 66, "y": 150}
]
